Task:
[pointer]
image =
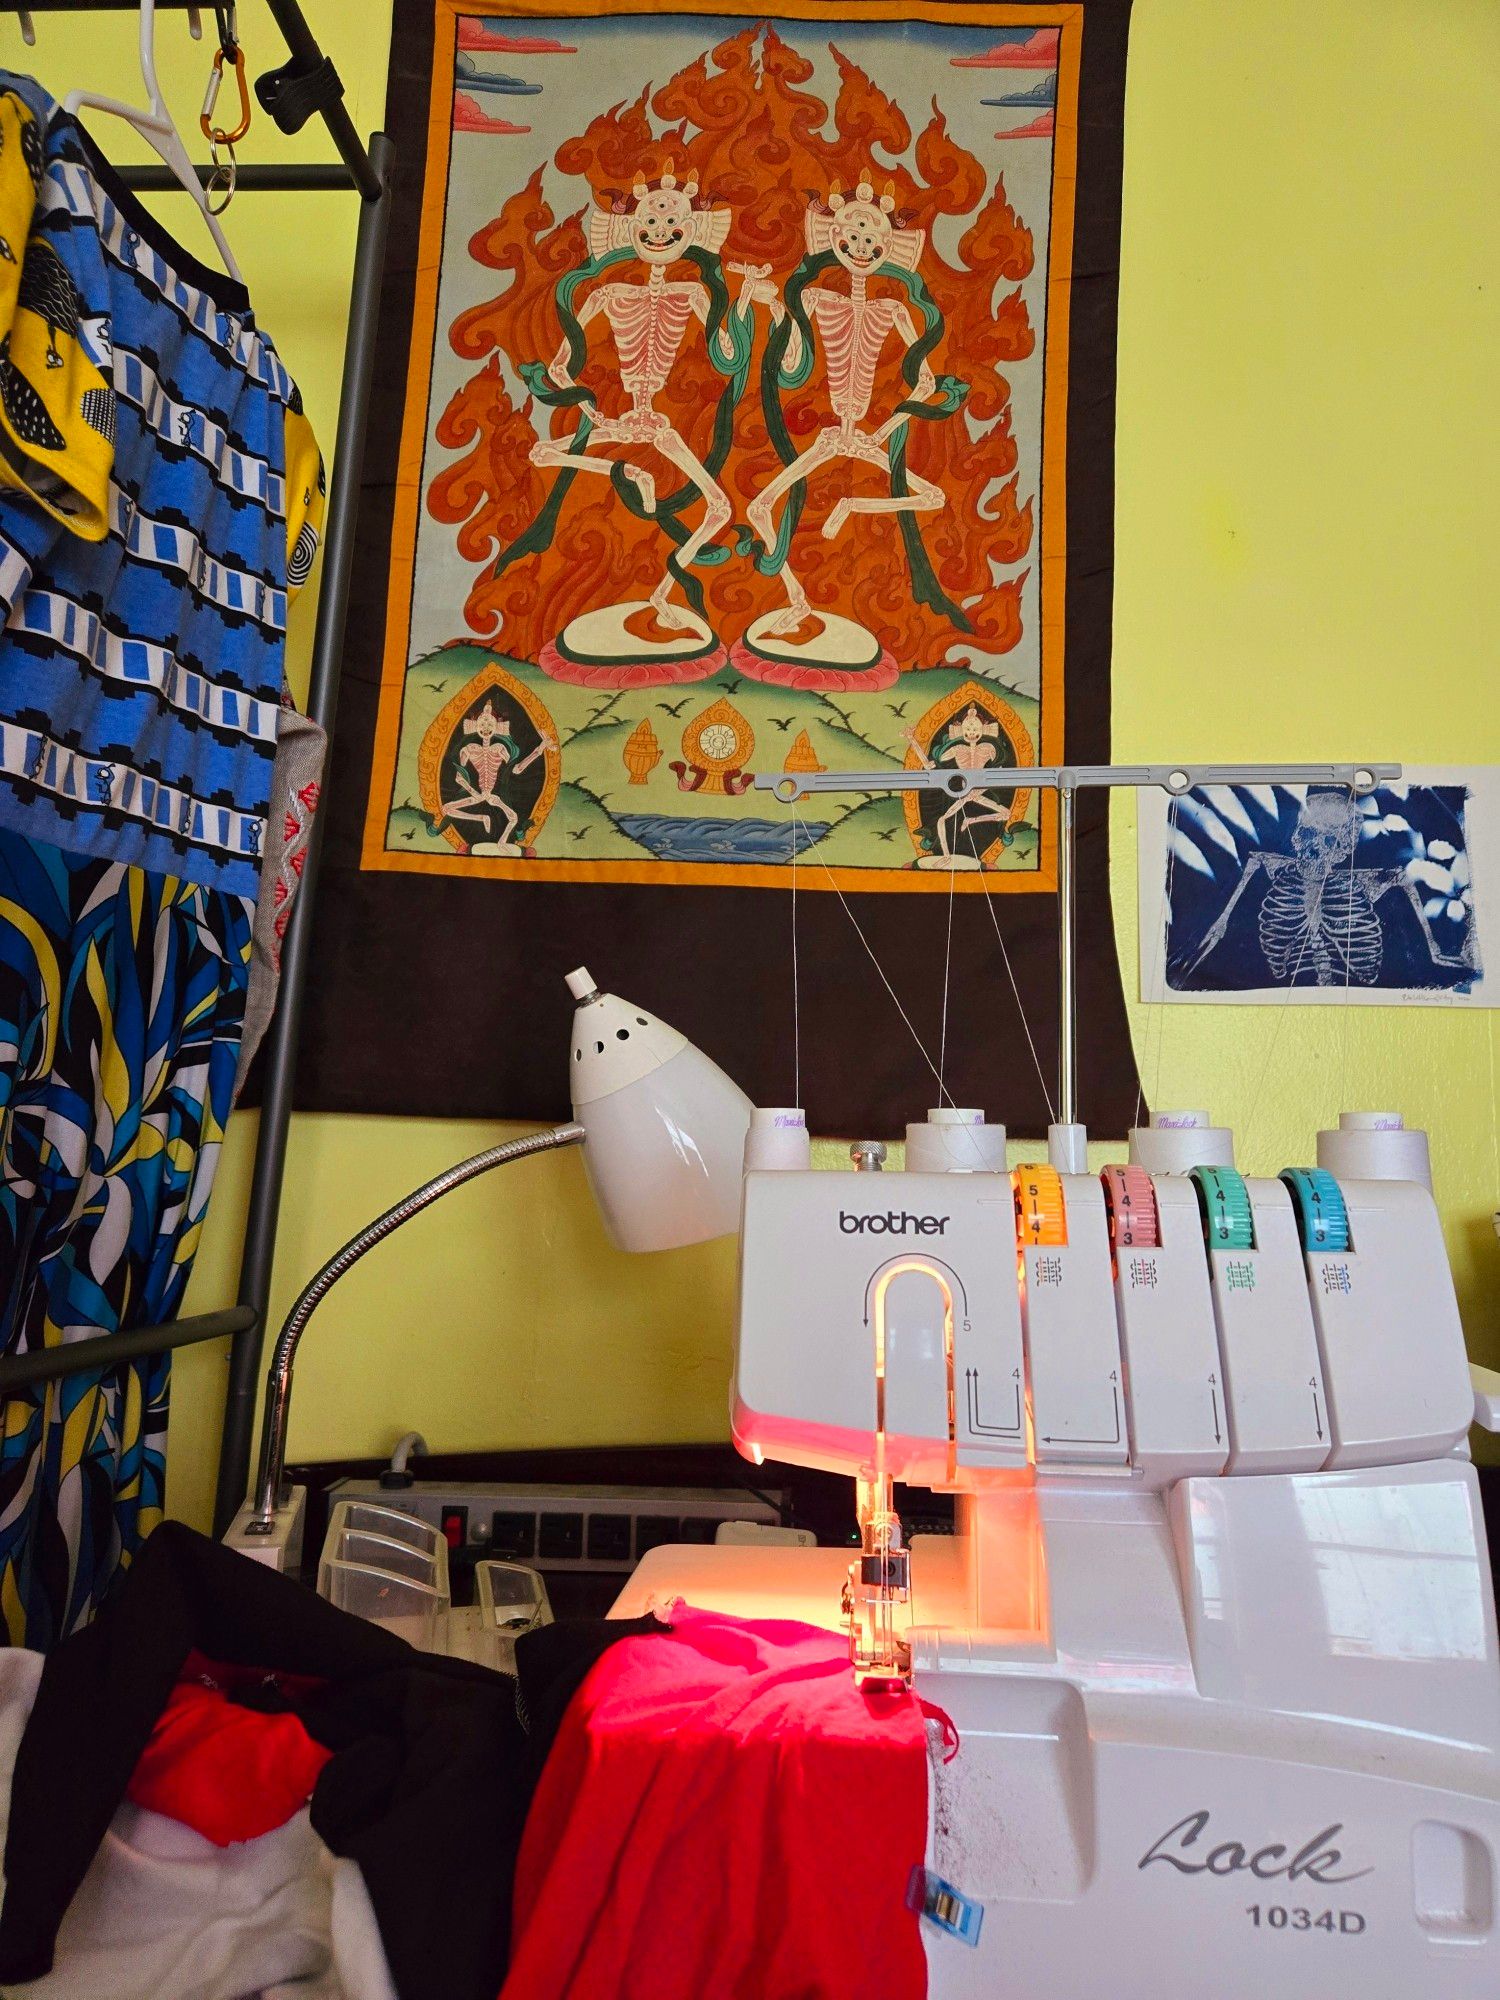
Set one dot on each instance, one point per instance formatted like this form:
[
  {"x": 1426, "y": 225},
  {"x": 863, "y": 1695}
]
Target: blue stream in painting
[{"x": 721, "y": 839}]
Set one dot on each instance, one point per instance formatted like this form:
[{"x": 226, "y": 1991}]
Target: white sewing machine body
[{"x": 1216, "y": 1626}]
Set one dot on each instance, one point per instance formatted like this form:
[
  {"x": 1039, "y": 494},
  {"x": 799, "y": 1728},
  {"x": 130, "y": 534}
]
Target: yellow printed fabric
[
  {"x": 20, "y": 170},
  {"x": 57, "y": 411},
  {"x": 306, "y": 489}
]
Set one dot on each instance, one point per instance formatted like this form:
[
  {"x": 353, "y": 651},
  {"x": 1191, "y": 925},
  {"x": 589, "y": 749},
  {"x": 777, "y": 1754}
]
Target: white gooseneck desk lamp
[{"x": 663, "y": 1132}]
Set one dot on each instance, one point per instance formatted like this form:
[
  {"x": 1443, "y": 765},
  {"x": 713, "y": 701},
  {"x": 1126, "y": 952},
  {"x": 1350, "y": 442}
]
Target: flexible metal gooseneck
[{"x": 268, "y": 1486}]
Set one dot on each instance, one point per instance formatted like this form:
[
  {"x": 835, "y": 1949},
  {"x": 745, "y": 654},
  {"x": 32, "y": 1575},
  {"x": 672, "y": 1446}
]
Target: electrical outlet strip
[{"x": 600, "y": 1528}]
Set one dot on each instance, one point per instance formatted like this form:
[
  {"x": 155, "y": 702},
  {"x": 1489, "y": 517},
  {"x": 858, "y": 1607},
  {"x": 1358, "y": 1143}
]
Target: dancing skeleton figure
[
  {"x": 973, "y": 747},
  {"x": 649, "y": 321},
  {"x": 854, "y": 329},
  {"x": 1319, "y": 910},
  {"x": 491, "y": 761}
]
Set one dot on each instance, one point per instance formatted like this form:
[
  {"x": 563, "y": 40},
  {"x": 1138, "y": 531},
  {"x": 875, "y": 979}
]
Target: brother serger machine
[{"x": 1216, "y": 1626}]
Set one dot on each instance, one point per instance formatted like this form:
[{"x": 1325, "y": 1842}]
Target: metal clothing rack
[{"x": 306, "y": 86}]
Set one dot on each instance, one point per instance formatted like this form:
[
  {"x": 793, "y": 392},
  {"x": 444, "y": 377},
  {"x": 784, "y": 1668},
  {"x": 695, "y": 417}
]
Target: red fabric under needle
[{"x": 725, "y": 1816}]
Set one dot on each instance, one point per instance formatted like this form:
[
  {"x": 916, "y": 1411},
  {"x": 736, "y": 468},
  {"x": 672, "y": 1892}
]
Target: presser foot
[{"x": 876, "y": 1587}]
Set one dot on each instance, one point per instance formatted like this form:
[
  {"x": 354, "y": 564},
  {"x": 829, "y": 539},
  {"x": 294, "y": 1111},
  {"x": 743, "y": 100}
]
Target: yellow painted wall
[
  {"x": 1307, "y": 436},
  {"x": 1308, "y": 431}
]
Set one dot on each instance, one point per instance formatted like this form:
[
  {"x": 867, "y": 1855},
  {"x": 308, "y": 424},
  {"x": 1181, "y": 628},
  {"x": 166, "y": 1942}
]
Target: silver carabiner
[{"x": 221, "y": 182}]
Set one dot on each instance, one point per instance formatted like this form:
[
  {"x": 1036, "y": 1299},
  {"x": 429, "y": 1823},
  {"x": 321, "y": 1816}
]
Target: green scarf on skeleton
[
  {"x": 736, "y": 328},
  {"x": 777, "y": 376}
]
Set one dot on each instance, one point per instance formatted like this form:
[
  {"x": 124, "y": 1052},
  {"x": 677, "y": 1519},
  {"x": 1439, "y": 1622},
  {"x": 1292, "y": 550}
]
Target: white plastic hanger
[{"x": 155, "y": 125}]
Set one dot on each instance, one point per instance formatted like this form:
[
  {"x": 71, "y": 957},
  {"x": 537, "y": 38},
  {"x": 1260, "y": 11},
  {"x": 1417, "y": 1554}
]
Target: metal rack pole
[
  {"x": 365, "y": 168},
  {"x": 313, "y": 178},
  {"x": 105, "y": 6},
  {"x": 1067, "y": 955},
  {"x": 303, "y": 47},
  {"x": 88, "y": 1357},
  {"x": 280, "y": 1056}
]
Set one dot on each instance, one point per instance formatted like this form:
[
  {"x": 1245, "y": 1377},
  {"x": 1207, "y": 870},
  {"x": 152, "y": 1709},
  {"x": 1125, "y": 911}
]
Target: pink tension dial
[{"x": 1131, "y": 1201}]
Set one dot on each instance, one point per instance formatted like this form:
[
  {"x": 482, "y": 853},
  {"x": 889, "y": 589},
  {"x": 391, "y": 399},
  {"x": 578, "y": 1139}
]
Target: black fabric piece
[
  {"x": 379, "y": 1035},
  {"x": 427, "y": 1790},
  {"x": 102, "y": 1690},
  {"x": 552, "y": 1664}
]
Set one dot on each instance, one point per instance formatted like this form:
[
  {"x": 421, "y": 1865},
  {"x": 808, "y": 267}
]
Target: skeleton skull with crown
[
  {"x": 860, "y": 232},
  {"x": 662, "y": 223}
]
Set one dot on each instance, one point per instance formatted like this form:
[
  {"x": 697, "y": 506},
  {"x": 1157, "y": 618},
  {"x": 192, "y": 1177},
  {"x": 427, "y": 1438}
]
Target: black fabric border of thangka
[{"x": 383, "y": 1030}]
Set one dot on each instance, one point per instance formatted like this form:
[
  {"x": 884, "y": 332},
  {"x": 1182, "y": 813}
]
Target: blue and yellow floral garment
[
  {"x": 160, "y": 499},
  {"x": 122, "y": 995}
]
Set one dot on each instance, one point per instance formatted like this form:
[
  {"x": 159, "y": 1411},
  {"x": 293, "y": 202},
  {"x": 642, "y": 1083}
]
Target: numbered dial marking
[
  {"x": 1228, "y": 1220},
  {"x": 1041, "y": 1216},
  {"x": 1131, "y": 1201},
  {"x": 1319, "y": 1202}
]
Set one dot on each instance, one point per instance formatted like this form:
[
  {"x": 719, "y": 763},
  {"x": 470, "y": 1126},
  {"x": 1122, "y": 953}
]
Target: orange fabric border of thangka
[{"x": 375, "y": 856}]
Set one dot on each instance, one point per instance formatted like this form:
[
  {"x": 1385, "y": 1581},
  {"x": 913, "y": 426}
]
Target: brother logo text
[{"x": 891, "y": 1224}]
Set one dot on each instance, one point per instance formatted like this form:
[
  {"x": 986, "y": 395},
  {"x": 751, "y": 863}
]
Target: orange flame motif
[{"x": 763, "y": 146}]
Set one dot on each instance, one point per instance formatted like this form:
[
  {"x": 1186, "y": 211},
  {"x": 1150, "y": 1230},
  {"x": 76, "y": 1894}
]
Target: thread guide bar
[
  {"x": 788, "y": 787},
  {"x": 1067, "y": 780}
]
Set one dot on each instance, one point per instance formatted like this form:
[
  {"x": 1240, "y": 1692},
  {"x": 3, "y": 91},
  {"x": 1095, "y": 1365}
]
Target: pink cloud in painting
[
  {"x": 469, "y": 117},
  {"x": 478, "y": 34},
  {"x": 1038, "y": 51},
  {"x": 1041, "y": 127}
]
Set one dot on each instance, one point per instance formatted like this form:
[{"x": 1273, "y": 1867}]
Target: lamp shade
[{"x": 666, "y": 1127}]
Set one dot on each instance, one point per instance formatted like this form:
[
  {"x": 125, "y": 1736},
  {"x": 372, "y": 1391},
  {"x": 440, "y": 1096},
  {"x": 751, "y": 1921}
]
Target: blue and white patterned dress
[{"x": 160, "y": 495}]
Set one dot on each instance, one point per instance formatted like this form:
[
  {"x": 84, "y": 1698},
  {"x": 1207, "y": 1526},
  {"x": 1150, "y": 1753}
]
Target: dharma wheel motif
[{"x": 718, "y": 744}]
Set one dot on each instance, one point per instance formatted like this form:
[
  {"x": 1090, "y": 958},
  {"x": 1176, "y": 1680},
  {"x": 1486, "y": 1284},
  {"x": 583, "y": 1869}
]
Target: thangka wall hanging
[{"x": 746, "y": 405}]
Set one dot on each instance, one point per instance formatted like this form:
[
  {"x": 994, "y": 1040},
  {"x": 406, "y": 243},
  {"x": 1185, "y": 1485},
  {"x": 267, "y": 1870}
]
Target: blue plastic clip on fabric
[{"x": 954, "y": 1914}]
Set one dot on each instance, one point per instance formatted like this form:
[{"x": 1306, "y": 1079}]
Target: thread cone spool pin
[
  {"x": 1068, "y": 1148},
  {"x": 951, "y": 1140},
  {"x": 1177, "y": 1141},
  {"x": 777, "y": 1140},
  {"x": 1375, "y": 1146}
]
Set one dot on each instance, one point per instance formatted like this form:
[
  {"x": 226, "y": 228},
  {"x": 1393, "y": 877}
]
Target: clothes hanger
[{"x": 155, "y": 125}]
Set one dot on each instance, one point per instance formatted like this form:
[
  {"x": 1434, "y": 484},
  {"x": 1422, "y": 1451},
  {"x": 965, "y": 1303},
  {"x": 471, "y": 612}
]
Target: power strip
[{"x": 602, "y": 1528}]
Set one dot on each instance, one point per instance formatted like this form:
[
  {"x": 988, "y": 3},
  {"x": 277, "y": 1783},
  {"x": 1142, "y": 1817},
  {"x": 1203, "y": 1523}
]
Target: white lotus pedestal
[
  {"x": 825, "y": 654},
  {"x": 943, "y": 864},
  {"x": 629, "y": 645}
]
